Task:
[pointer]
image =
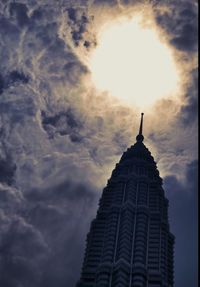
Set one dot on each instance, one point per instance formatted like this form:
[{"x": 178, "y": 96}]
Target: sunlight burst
[{"x": 132, "y": 64}]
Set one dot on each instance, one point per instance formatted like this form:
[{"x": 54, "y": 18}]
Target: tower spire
[{"x": 140, "y": 137}]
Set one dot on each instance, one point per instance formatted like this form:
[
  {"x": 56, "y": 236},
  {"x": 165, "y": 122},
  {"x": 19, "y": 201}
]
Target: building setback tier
[{"x": 129, "y": 243}]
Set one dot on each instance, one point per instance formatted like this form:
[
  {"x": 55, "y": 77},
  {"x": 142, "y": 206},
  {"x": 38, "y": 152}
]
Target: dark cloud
[
  {"x": 19, "y": 10},
  {"x": 19, "y": 110},
  {"x": 78, "y": 22},
  {"x": 16, "y": 76},
  {"x": 105, "y": 2},
  {"x": 187, "y": 39},
  {"x": 67, "y": 228},
  {"x": 9, "y": 39},
  {"x": 6, "y": 27},
  {"x": 12, "y": 78},
  {"x": 74, "y": 70},
  {"x": 180, "y": 21},
  {"x": 189, "y": 111},
  {"x": 64, "y": 123},
  {"x": 1, "y": 84},
  {"x": 41, "y": 243},
  {"x": 72, "y": 14},
  {"x": 7, "y": 170},
  {"x": 183, "y": 220},
  {"x": 37, "y": 15},
  {"x": 21, "y": 249}
]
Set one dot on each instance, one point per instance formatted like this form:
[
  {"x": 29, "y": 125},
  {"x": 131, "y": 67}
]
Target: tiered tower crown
[{"x": 129, "y": 243}]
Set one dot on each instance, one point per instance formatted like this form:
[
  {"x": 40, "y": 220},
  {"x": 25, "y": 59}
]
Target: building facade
[{"x": 129, "y": 243}]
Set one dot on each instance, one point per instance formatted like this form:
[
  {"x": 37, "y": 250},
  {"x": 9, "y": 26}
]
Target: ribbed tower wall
[{"x": 129, "y": 243}]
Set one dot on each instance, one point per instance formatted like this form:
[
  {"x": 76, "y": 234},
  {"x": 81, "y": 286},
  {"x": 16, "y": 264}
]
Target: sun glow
[{"x": 133, "y": 64}]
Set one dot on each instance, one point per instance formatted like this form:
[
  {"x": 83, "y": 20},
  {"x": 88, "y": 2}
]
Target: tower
[{"x": 129, "y": 243}]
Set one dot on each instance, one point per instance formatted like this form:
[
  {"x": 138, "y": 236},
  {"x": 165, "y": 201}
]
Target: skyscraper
[{"x": 129, "y": 243}]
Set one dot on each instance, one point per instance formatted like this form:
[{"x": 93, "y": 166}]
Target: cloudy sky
[{"x": 60, "y": 136}]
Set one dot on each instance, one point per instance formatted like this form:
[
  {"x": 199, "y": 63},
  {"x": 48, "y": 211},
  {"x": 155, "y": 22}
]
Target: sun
[{"x": 133, "y": 64}]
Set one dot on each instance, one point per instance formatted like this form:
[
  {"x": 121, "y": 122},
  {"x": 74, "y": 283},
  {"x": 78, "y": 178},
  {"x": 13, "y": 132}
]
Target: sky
[{"x": 60, "y": 136}]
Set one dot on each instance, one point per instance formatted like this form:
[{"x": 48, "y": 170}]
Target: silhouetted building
[{"x": 129, "y": 243}]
